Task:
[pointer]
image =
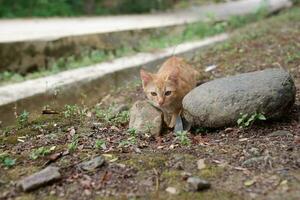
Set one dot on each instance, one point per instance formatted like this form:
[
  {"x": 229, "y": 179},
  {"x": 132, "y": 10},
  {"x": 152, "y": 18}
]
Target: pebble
[
  {"x": 281, "y": 133},
  {"x": 172, "y": 190},
  {"x": 197, "y": 184},
  {"x": 91, "y": 165},
  {"x": 201, "y": 164}
]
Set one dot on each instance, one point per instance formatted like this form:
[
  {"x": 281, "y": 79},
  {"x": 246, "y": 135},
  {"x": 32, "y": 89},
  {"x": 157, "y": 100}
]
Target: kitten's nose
[{"x": 160, "y": 102}]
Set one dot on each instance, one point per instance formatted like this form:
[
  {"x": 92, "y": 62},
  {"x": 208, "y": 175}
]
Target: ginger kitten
[{"x": 168, "y": 86}]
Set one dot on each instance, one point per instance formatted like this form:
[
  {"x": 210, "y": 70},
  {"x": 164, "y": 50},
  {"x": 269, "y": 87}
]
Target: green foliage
[
  {"x": 100, "y": 144},
  {"x": 48, "y": 8},
  {"x": 40, "y": 152},
  {"x": 131, "y": 140},
  {"x": 247, "y": 120},
  {"x": 182, "y": 137},
  {"x": 110, "y": 117},
  {"x": 132, "y": 132},
  {"x": 22, "y": 119},
  {"x": 6, "y": 160},
  {"x": 73, "y": 111},
  {"x": 73, "y": 145}
]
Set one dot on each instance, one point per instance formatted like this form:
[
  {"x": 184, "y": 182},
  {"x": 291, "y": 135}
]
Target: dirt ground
[{"x": 249, "y": 163}]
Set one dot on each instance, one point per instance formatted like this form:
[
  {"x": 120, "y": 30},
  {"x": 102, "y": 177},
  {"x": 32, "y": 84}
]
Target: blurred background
[{"x": 48, "y": 8}]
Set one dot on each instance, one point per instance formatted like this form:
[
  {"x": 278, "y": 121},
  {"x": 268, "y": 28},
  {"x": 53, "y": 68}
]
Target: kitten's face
[{"x": 161, "y": 91}]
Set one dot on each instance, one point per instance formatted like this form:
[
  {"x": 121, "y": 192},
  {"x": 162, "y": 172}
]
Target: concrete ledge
[
  {"x": 56, "y": 28},
  {"x": 86, "y": 84}
]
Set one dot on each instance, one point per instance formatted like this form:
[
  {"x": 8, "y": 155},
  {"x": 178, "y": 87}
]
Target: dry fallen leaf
[{"x": 249, "y": 182}]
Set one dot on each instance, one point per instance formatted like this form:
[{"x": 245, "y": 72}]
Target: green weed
[
  {"x": 182, "y": 137},
  {"x": 6, "y": 160},
  {"x": 40, "y": 152},
  {"x": 73, "y": 111},
  {"x": 100, "y": 144},
  {"x": 129, "y": 142},
  {"x": 109, "y": 117},
  {"x": 22, "y": 119},
  {"x": 247, "y": 120}
]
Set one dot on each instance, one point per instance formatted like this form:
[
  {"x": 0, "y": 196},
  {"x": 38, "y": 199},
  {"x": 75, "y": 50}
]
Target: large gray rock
[
  {"x": 145, "y": 118},
  {"x": 40, "y": 178},
  {"x": 219, "y": 102}
]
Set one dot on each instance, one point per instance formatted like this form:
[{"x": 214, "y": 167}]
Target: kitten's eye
[
  {"x": 168, "y": 93},
  {"x": 153, "y": 93}
]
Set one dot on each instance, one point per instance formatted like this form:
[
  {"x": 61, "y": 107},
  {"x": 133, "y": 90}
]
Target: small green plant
[
  {"x": 182, "y": 137},
  {"x": 22, "y": 119},
  {"x": 108, "y": 116},
  {"x": 72, "y": 111},
  {"x": 100, "y": 144},
  {"x": 40, "y": 152},
  {"x": 6, "y": 160},
  {"x": 73, "y": 145},
  {"x": 121, "y": 118},
  {"x": 129, "y": 142},
  {"x": 247, "y": 120},
  {"x": 132, "y": 132}
]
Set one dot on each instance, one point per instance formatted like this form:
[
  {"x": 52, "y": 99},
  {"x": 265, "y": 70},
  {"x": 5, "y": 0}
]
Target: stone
[
  {"x": 43, "y": 177},
  {"x": 197, "y": 184},
  {"x": 201, "y": 164},
  {"x": 145, "y": 118},
  {"x": 220, "y": 102},
  {"x": 252, "y": 162},
  {"x": 171, "y": 190},
  {"x": 254, "y": 151},
  {"x": 281, "y": 133},
  {"x": 93, "y": 164}
]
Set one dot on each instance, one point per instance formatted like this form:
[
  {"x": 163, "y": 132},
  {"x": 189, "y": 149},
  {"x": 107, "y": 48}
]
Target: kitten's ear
[
  {"x": 145, "y": 76},
  {"x": 174, "y": 76}
]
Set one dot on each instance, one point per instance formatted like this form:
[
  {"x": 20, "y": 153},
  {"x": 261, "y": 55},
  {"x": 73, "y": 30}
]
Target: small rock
[
  {"x": 178, "y": 165},
  {"x": 145, "y": 118},
  {"x": 255, "y": 160},
  {"x": 201, "y": 164},
  {"x": 186, "y": 175},
  {"x": 97, "y": 125},
  {"x": 2, "y": 182},
  {"x": 91, "y": 165},
  {"x": 254, "y": 151},
  {"x": 281, "y": 133},
  {"x": 218, "y": 103},
  {"x": 196, "y": 184},
  {"x": 87, "y": 192},
  {"x": 43, "y": 177},
  {"x": 171, "y": 190},
  {"x": 229, "y": 130}
]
